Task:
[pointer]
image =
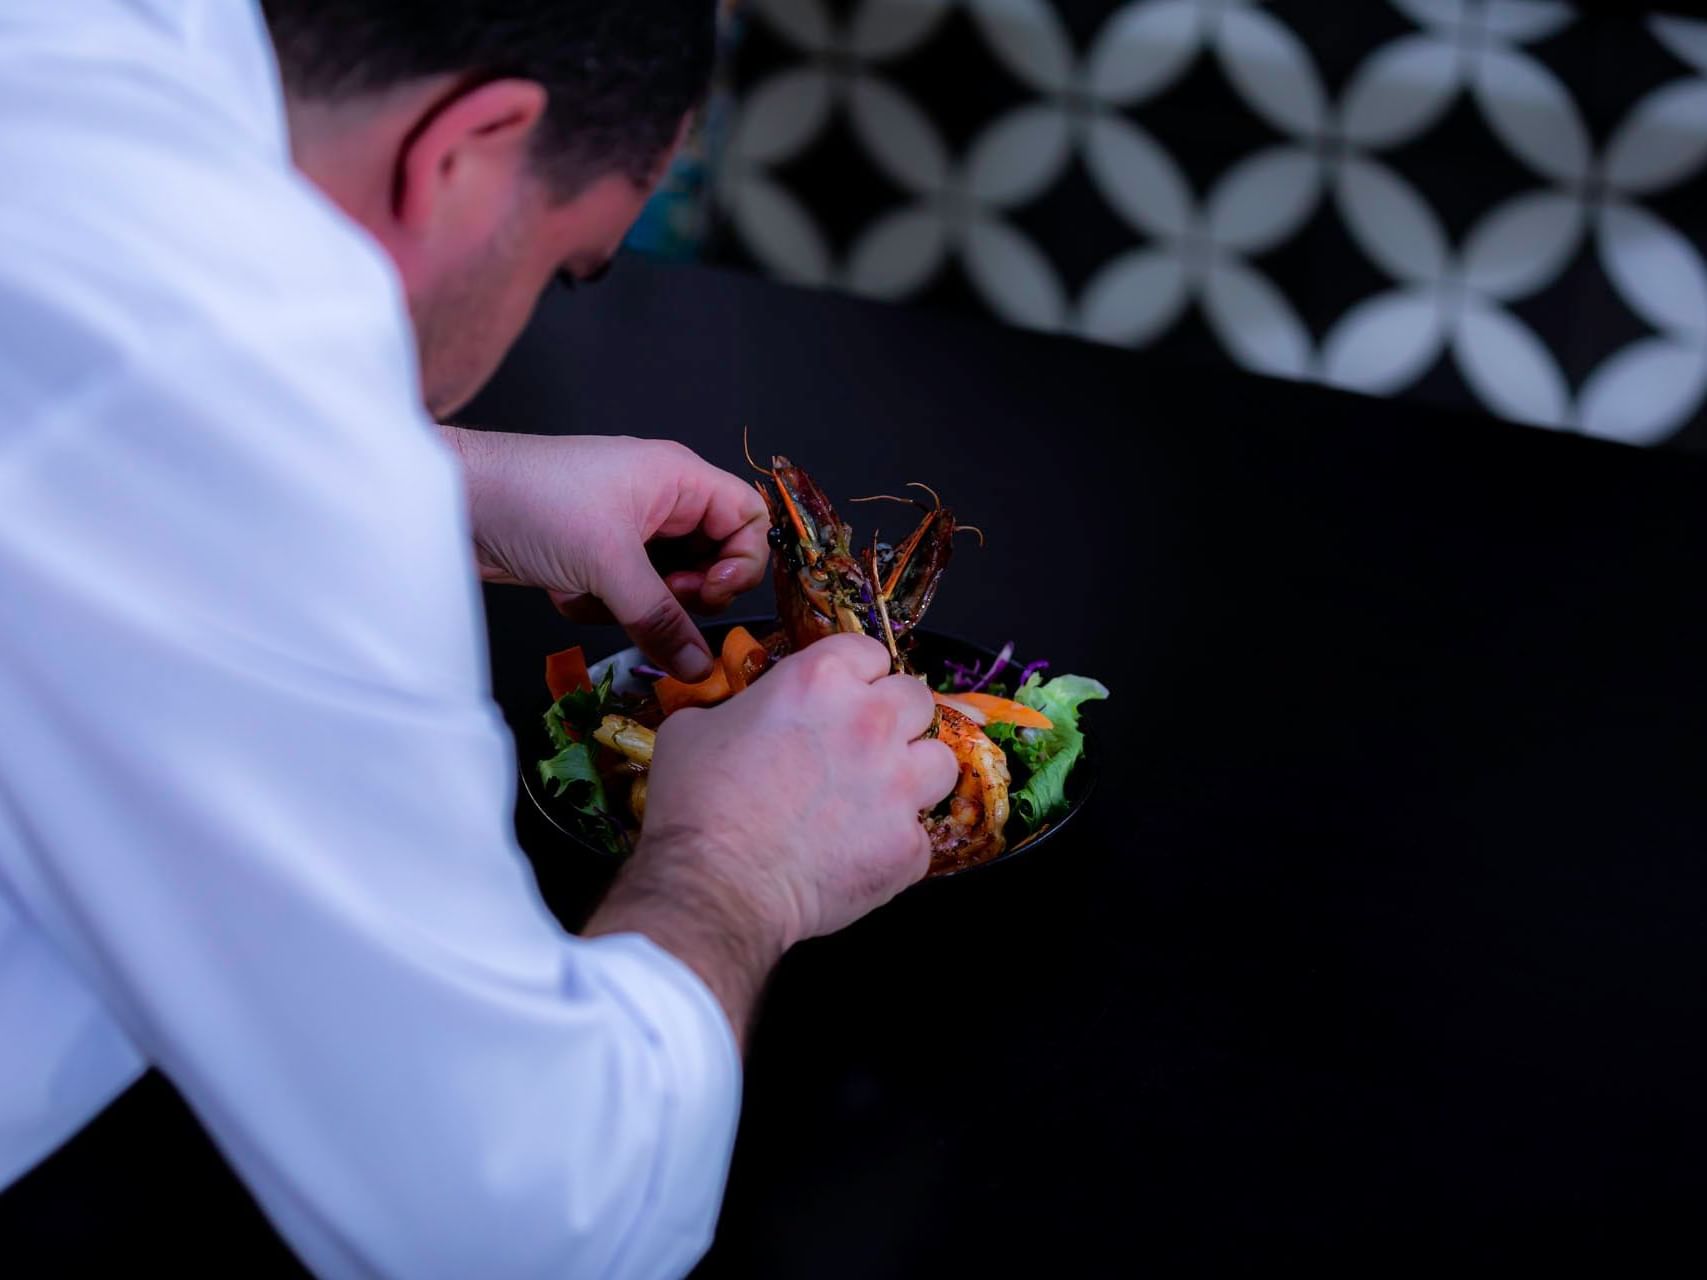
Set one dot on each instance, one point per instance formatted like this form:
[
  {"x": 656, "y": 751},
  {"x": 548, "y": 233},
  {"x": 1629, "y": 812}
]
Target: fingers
[
  {"x": 911, "y": 701},
  {"x": 860, "y": 654},
  {"x": 727, "y": 511},
  {"x": 687, "y": 586},
  {"x": 732, "y": 506},
  {"x": 736, "y": 517},
  {"x": 933, "y": 770},
  {"x": 654, "y": 619},
  {"x": 741, "y": 561},
  {"x": 734, "y": 574},
  {"x": 915, "y": 855}
]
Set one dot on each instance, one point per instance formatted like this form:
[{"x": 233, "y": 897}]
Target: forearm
[
  {"x": 465, "y": 444},
  {"x": 705, "y": 922},
  {"x": 481, "y": 455}
]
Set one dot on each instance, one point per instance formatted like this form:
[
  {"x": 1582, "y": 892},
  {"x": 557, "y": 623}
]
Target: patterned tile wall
[{"x": 1493, "y": 204}]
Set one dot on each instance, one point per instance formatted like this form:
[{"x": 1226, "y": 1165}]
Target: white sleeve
[{"x": 253, "y": 788}]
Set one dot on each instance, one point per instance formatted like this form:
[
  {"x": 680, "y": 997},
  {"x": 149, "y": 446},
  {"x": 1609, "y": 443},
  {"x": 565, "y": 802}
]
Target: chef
[{"x": 254, "y": 794}]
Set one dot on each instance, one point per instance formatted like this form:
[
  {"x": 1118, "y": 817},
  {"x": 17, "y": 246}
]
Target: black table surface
[{"x": 1381, "y": 947}]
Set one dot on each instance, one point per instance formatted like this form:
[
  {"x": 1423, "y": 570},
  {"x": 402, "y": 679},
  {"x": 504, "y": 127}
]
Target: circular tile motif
[{"x": 1203, "y": 138}]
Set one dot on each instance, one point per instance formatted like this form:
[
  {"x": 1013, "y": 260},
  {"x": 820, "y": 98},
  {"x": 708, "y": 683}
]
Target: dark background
[{"x": 1379, "y": 948}]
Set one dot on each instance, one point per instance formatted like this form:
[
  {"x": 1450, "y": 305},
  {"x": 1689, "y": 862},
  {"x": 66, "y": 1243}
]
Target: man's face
[
  {"x": 445, "y": 177},
  {"x": 472, "y": 310}
]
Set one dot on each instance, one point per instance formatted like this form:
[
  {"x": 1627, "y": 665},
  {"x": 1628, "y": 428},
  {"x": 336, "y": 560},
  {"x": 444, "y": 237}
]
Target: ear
[{"x": 457, "y": 170}]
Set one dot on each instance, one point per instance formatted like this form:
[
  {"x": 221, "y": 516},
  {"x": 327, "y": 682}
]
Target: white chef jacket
[{"x": 254, "y": 795}]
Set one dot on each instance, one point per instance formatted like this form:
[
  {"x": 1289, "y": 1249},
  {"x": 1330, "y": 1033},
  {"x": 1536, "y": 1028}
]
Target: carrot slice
[
  {"x": 674, "y": 694},
  {"x": 743, "y": 658},
  {"x": 1006, "y": 711},
  {"x": 566, "y": 671}
]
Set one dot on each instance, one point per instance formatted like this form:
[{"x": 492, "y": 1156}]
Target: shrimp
[
  {"x": 967, "y": 828},
  {"x": 823, "y": 586}
]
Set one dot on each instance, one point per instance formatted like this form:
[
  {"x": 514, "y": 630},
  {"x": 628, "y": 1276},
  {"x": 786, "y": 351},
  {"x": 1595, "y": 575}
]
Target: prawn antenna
[
  {"x": 914, "y": 484},
  {"x": 747, "y": 449}
]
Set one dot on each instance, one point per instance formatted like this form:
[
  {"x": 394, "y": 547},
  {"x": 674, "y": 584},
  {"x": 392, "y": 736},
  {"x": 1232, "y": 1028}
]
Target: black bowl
[{"x": 932, "y": 651}]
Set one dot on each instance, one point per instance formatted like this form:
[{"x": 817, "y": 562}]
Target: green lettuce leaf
[
  {"x": 577, "y": 783},
  {"x": 572, "y": 771},
  {"x": 581, "y": 710},
  {"x": 1049, "y": 754},
  {"x": 1060, "y": 699}
]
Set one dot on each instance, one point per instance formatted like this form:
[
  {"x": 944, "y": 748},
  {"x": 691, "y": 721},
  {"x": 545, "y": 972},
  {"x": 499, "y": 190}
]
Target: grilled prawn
[{"x": 824, "y": 585}]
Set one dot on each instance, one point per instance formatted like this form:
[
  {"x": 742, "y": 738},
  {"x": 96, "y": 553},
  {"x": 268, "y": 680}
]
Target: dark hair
[{"x": 621, "y": 73}]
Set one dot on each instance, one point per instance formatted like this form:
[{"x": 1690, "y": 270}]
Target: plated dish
[{"x": 1026, "y": 764}]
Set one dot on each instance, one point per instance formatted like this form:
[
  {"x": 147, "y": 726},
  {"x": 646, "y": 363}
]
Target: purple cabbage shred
[
  {"x": 961, "y": 676},
  {"x": 995, "y": 667},
  {"x": 973, "y": 679}
]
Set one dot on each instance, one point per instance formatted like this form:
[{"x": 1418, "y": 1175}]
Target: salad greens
[
  {"x": 580, "y": 710},
  {"x": 573, "y": 771},
  {"x": 1048, "y": 754}
]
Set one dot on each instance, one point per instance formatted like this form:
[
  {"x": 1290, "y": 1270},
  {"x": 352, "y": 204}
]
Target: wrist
[{"x": 675, "y": 894}]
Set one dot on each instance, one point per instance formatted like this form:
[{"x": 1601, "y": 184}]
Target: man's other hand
[{"x": 637, "y": 532}]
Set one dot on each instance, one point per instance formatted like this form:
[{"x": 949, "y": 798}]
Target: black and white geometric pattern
[{"x": 1489, "y": 203}]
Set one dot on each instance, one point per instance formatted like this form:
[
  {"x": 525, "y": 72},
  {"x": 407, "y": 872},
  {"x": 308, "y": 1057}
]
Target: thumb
[{"x": 638, "y": 599}]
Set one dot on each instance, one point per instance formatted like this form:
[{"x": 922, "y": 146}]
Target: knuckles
[
  {"x": 814, "y": 672},
  {"x": 872, "y": 724},
  {"x": 672, "y": 453}
]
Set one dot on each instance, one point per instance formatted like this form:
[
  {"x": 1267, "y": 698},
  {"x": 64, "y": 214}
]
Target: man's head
[{"x": 489, "y": 145}]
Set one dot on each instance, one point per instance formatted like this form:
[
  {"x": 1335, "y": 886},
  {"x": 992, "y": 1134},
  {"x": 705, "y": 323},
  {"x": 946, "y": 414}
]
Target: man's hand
[
  {"x": 616, "y": 529},
  {"x": 785, "y": 813}
]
